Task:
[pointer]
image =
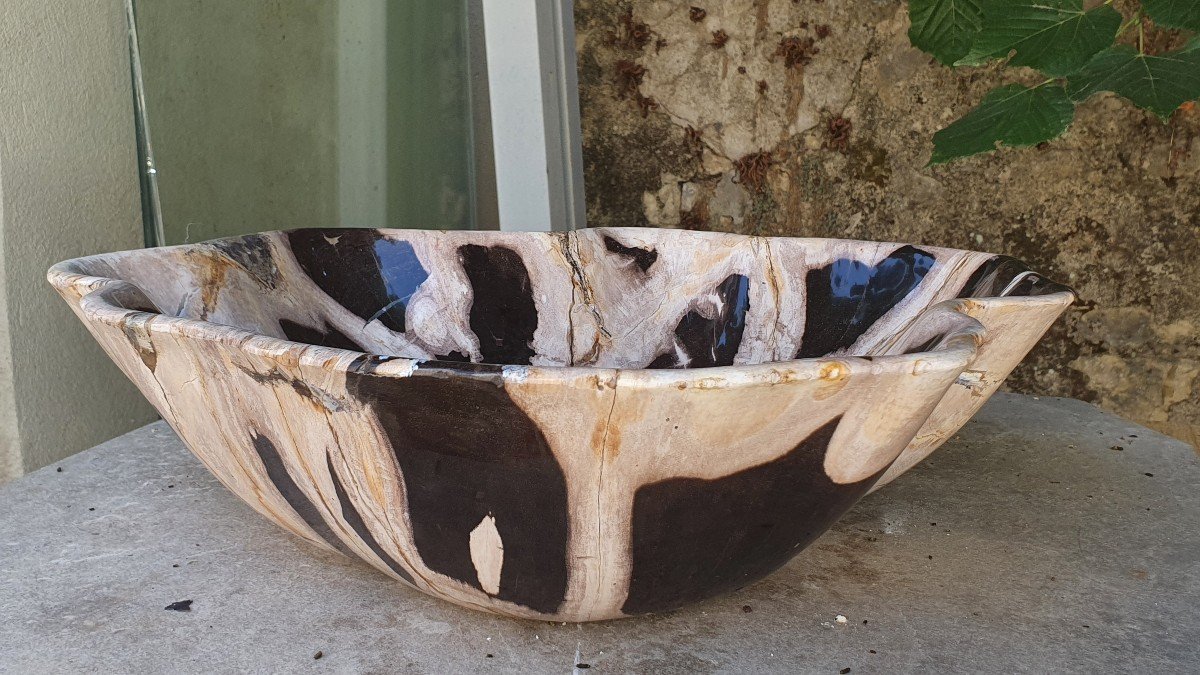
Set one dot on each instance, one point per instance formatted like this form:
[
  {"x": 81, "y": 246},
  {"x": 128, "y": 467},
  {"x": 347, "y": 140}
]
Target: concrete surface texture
[
  {"x": 1048, "y": 536},
  {"x": 68, "y": 187},
  {"x": 830, "y": 111}
]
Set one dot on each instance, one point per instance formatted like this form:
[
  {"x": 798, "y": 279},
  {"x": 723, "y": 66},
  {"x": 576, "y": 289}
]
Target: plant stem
[{"x": 1135, "y": 20}]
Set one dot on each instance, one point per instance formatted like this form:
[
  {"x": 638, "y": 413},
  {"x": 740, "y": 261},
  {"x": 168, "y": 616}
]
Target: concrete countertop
[{"x": 1048, "y": 536}]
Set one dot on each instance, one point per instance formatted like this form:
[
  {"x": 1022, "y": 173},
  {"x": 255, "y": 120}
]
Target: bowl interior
[{"x": 614, "y": 298}]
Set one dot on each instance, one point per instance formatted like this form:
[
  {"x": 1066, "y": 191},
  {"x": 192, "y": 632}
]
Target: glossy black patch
[
  {"x": 295, "y": 497},
  {"x": 993, "y": 277},
  {"x": 847, "y": 297},
  {"x": 503, "y": 314},
  {"x": 372, "y": 276},
  {"x": 694, "y": 538},
  {"x": 642, "y": 257},
  {"x": 354, "y": 519},
  {"x": 330, "y": 337},
  {"x": 466, "y": 450},
  {"x": 712, "y": 341},
  {"x": 454, "y": 357},
  {"x": 253, "y": 254}
]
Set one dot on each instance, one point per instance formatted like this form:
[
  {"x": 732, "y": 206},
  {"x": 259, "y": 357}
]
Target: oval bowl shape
[{"x": 563, "y": 426}]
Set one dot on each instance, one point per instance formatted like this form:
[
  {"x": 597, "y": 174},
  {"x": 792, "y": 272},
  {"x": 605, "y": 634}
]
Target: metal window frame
[
  {"x": 533, "y": 92},
  {"x": 152, "y": 224},
  {"x": 526, "y": 134}
]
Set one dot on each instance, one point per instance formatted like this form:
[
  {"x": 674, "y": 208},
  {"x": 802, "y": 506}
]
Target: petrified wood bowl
[{"x": 562, "y": 426}]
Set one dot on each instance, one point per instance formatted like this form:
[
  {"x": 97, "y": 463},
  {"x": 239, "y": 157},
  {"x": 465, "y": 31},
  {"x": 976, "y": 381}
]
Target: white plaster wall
[{"x": 68, "y": 187}]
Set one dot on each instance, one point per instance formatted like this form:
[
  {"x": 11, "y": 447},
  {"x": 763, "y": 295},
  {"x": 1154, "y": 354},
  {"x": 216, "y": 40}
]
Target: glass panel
[{"x": 272, "y": 115}]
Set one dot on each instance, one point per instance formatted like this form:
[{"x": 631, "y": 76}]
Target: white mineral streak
[{"x": 487, "y": 554}]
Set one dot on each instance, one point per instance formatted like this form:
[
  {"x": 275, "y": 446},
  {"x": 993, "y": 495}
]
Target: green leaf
[
  {"x": 944, "y": 28},
  {"x": 1159, "y": 83},
  {"x": 1012, "y": 116},
  {"x": 1174, "y": 13},
  {"x": 1054, "y": 36}
]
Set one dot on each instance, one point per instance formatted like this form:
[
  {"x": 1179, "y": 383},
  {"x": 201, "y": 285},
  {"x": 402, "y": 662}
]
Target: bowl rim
[{"x": 119, "y": 303}]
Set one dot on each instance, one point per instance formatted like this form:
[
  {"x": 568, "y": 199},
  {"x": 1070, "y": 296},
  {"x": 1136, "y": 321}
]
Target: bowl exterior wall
[
  {"x": 566, "y": 493},
  {"x": 1012, "y": 327},
  {"x": 559, "y": 494}
]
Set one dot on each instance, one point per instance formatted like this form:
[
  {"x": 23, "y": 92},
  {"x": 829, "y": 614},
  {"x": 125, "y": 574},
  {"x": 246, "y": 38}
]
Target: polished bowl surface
[{"x": 560, "y": 426}]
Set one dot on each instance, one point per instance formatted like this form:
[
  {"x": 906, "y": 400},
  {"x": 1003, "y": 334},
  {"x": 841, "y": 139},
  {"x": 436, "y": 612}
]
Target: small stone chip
[
  {"x": 840, "y": 619},
  {"x": 318, "y": 655},
  {"x": 181, "y": 606}
]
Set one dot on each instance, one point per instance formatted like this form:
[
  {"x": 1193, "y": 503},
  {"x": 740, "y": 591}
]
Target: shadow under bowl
[{"x": 564, "y": 426}]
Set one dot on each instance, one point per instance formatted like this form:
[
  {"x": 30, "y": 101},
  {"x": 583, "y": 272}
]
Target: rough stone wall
[{"x": 814, "y": 118}]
